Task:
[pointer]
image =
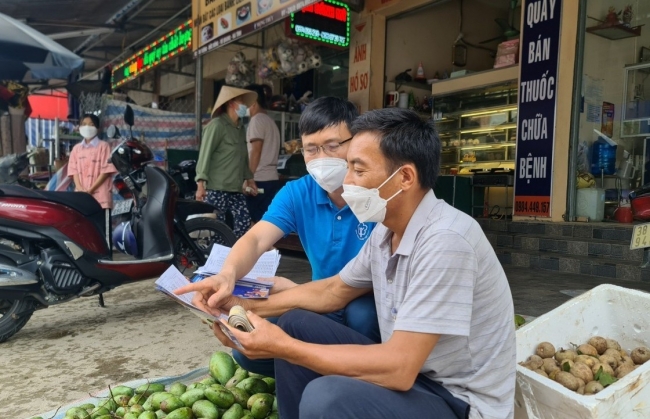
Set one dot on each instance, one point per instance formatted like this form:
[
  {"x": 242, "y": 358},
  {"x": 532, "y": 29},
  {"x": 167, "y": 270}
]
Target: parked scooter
[
  {"x": 183, "y": 174},
  {"x": 54, "y": 247}
]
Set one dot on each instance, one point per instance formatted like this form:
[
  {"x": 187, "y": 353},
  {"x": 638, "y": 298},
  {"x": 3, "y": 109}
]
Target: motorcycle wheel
[
  {"x": 10, "y": 323},
  {"x": 205, "y": 232},
  {"x": 14, "y": 314}
]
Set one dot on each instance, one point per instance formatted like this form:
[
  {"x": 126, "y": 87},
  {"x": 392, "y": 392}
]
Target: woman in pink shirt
[{"x": 89, "y": 163}]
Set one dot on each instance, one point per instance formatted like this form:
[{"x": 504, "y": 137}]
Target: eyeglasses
[{"x": 329, "y": 148}]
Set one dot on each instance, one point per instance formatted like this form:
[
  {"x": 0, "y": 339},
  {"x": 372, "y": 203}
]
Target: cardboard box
[{"x": 608, "y": 311}]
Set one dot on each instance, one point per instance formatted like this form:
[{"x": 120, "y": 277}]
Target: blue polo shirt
[{"x": 330, "y": 236}]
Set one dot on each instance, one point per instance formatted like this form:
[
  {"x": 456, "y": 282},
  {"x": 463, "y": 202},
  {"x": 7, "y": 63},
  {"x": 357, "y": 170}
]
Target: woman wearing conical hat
[{"x": 222, "y": 171}]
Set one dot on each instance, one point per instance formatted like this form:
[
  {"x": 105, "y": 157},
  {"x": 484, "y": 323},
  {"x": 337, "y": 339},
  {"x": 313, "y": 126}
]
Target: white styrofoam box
[
  {"x": 608, "y": 311},
  {"x": 590, "y": 202}
]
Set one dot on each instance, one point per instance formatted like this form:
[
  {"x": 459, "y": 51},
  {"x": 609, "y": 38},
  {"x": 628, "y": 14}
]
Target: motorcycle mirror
[
  {"x": 129, "y": 118},
  {"x": 112, "y": 131}
]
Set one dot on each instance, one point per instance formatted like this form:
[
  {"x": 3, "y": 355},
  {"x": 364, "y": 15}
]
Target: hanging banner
[
  {"x": 220, "y": 22},
  {"x": 537, "y": 106},
  {"x": 359, "y": 73}
]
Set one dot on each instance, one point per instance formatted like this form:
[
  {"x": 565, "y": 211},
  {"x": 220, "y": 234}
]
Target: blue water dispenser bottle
[{"x": 603, "y": 155}]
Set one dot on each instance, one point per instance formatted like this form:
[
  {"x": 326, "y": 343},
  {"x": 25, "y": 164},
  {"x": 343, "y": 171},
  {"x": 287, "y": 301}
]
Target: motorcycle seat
[{"x": 81, "y": 202}]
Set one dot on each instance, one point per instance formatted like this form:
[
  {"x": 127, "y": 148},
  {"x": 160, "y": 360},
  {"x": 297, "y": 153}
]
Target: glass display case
[
  {"x": 477, "y": 128},
  {"x": 635, "y": 119}
]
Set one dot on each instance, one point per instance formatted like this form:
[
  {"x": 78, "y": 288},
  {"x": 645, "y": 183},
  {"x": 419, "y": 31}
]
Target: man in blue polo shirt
[{"x": 313, "y": 208}]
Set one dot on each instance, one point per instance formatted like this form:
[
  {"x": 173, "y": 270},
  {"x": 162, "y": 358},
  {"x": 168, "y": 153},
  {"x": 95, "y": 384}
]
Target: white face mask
[
  {"x": 328, "y": 172},
  {"x": 366, "y": 204},
  {"x": 88, "y": 131}
]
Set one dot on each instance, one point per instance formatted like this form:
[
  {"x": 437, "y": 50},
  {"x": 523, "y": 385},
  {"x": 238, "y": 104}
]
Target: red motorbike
[{"x": 56, "y": 246}]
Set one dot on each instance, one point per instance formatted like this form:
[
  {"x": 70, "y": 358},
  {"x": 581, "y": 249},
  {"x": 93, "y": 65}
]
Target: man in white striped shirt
[{"x": 443, "y": 301}]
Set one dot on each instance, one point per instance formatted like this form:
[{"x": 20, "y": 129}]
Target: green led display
[
  {"x": 170, "y": 45},
  {"x": 327, "y": 21}
]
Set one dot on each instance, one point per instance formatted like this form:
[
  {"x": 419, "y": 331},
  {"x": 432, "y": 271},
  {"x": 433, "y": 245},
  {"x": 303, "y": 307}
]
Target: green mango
[
  {"x": 121, "y": 411},
  {"x": 248, "y": 416},
  {"x": 105, "y": 417},
  {"x": 220, "y": 397},
  {"x": 192, "y": 396},
  {"x": 122, "y": 400},
  {"x": 273, "y": 415},
  {"x": 170, "y": 404},
  {"x": 100, "y": 411},
  {"x": 177, "y": 389},
  {"x": 256, "y": 375},
  {"x": 247, "y": 412},
  {"x": 122, "y": 391},
  {"x": 160, "y": 414},
  {"x": 77, "y": 413},
  {"x": 131, "y": 415},
  {"x": 222, "y": 367},
  {"x": 275, "y": 405},
  {"x": 235, "y": 412},
  {"x": 241, "y": 396},
  {"x": 269, "y": 398},
  {"x": 138, "y": 399},
  {"x": 150, "y": 388},
  {"x": 262, "y": 405},
  {"x": 136, "y": 408},
  {"x": 182, "y": 413},
  {"x": 87, "y": 406},
  {"x": 253, "y": 385},
  {"x": 147, "y": 415},
  {"x": 147, "y": 405},
  {"x": 270, "y": 382},
  {"x": 108, "y": 404},
  {"x": 205, "y": 409},
  {"x": 157, "y": 398},
  {"x": 208, "y": 381},
  {"x": 217, "y": 387},
  {"x": 240, "y": 374},
  {"x": 195, "y": 386}
]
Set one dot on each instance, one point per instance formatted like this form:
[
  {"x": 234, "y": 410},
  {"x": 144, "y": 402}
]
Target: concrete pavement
[{"x": 65, "y": 352}]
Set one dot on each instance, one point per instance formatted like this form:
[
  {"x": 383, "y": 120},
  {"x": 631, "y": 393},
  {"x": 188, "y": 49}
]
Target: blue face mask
[{"x": 242, "y": 110}]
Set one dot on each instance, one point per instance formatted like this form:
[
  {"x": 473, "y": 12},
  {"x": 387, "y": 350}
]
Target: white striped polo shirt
[{"x": 445, "y": 279}]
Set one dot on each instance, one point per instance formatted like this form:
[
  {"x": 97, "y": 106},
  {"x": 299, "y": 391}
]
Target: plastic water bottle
[{"x": 603, "y": 157}]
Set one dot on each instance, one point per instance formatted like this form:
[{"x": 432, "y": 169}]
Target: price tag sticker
[{"x": 640, "y": 236}]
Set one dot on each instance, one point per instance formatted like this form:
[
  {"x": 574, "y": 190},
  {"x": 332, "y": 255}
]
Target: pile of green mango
[{"x": 229, "y": 393}]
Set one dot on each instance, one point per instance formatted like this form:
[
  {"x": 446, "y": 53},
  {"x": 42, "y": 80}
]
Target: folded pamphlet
[
  {"x": 249, "y": 286},
  {"x": 244, "y": 288},
  {"x": 172, "y": 279}
]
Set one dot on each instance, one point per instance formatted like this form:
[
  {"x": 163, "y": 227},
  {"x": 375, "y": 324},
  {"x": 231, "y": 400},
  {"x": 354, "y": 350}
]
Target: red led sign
[{"x": 326, "y": 22}]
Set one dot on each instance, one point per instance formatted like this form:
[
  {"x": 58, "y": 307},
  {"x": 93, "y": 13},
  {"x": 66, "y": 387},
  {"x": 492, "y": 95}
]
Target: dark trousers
[
  {"x": 257, "y": 205},
  {"x": 305, "y": 394},
  {"x": 360, "y": 315}
]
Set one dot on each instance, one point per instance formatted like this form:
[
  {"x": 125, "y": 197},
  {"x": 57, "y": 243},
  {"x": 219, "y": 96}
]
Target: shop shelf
[{"x": 615, "y": 31}]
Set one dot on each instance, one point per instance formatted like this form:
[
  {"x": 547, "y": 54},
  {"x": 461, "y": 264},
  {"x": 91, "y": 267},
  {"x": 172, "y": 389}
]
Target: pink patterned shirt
[{"x": 89, "y": 160}]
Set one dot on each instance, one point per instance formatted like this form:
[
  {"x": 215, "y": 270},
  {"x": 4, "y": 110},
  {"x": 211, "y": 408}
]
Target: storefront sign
[
  {"x": 359, "y": 74},
  {"x": 170, "y": 45},
  {"x": 327, "y": 21},
  {"x": 220, "y": 22},
  {"x": 537, "y": 107}
]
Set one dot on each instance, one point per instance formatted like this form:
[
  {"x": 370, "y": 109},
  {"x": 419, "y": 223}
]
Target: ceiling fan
[{"x": 507, "y": 26}]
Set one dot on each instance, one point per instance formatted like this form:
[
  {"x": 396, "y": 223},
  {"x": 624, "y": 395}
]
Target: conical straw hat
[{"x": 228, "y": 92}]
